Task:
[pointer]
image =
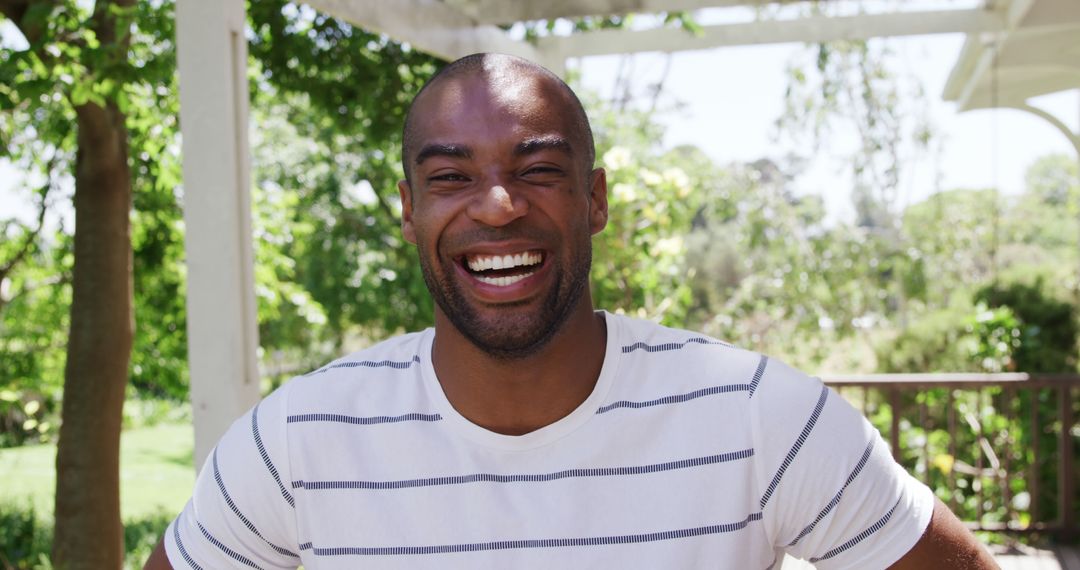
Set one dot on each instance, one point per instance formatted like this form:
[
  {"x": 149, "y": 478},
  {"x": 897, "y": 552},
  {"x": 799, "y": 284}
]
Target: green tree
[
  {"x": 954, "y": 232},
  {"x": 93, "y": 89},
  {"x": 653, "y": 194},
  {"x": 1053, "y": 180},
  {"x": 81, "y": 69},
  {"x": 852, "y": 87},
  {"x": 329, "y": 100},
  {"x": 1048, "y": 247}
]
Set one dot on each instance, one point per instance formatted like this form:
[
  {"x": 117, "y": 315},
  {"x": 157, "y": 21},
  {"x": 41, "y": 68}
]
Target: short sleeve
[
  {"x": 242, "y": 512},
  {"x": 830, "y": 492}
]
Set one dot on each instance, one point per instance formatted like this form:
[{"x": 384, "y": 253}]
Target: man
[{"x": 528, "y": 430}]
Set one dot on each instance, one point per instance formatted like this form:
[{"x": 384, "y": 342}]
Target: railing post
[
  {"x": 1008, "y": 398},
  {"x": 1034, "y": 487},
  {"x": 951, "y": 403},
  {"x": 978, "y": 481},
  {"x": 1066, "y": 464},
  {"x": 894, "y": 431},
  {"x": 925, "y": 424},
  {"x": 1039, "y": 389}
]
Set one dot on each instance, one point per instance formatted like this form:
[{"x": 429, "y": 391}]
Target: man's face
[{"x": 502, "y": 208}]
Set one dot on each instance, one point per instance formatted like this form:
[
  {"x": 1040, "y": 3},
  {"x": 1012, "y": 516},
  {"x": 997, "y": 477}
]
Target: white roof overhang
[
  {"x": 1037, "y": 53},
  {"x": 454, "y": 28}
]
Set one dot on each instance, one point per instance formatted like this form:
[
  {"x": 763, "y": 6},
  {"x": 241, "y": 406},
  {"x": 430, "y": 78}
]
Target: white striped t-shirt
[{"x": 689, "y": 453}]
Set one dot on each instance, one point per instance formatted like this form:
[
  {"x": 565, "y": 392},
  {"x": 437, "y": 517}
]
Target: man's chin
[
  {"x": 508, "y": 337},
  {"x": 508, "y": 349}
]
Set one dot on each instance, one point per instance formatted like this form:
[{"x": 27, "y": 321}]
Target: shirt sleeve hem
[{"x": 911, "y": 526}]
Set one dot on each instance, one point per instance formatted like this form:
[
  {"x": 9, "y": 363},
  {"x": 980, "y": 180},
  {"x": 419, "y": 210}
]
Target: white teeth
[
  {"x": 485, "y": 262},
  {"x": 503, "y": 281}
]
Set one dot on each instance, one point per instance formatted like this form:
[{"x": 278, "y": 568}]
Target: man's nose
[{"x": 497, "y": 206}]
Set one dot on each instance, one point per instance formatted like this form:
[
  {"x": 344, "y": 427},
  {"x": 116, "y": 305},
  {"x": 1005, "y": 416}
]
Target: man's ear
[
  {"x": 598, "y": 205},
  {"x": 407, "y": 231}
]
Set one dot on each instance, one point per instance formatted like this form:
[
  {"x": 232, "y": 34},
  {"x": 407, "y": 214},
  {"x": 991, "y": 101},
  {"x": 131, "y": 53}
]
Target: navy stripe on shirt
[
  {"x": 531, "y": 543},
  {"x": 663, "y": 347},
  {"x": 674, "y": 399},
  {"x": 859, "y": 537},
  {"x": 758, "y": 374},
  {"x": 796, "y": 447},
  {"x": 526, "y": 478},
  {"x": 180, "y": 543},
  {"x": 266, "y": 457},
  {"x": 395, "y": 364},
  {"x": 236, "y": 510},
  {"x": 839, "y": 494},
  {"x": 362, "y": 421},
  {"x": 228, "y": 551}
]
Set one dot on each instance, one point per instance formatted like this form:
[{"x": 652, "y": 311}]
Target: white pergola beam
[
  {"x": 977, "y": 56},
  {"x": 429, "y": 26},
  {"x": 503, "y": 12},
  {"x": 221, "y": 316},
  {"x": 816, "y": 29},
  {"x": 1015, "y": 85}
]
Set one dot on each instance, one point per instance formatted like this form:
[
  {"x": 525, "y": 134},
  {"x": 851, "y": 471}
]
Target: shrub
[{"x": 1048, "y": 328}]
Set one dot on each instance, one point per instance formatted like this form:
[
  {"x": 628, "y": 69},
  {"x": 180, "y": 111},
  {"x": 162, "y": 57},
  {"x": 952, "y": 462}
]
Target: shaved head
[{"x": 506, "y": 71}]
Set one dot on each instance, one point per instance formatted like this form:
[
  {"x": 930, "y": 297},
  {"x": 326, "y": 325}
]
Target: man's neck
[{"x": 517, "y": 396}]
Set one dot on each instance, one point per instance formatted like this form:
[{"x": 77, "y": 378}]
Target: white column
[{"x": 221, "y": 317}]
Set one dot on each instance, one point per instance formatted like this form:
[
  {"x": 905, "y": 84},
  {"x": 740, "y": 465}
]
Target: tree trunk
[{"x": 88, "y": 529}]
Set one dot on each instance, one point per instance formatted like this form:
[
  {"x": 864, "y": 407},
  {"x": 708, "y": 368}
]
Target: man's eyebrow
[
  {"x": 437, "y": 149},
  {"x": 530, "y": 146}
]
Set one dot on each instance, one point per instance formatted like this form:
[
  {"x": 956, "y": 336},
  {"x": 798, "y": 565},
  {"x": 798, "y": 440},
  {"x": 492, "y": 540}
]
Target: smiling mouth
[{"x": 503, "y": 270}]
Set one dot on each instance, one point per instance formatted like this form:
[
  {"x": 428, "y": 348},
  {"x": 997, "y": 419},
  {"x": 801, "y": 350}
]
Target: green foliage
[
  {"x": 357, "y": 83},
  {"x": 330, "y": 254},
  {"x": 1045, "y": 330},
  {"x": 639, "y": 259},
  {"x": 852, "y": 86},
  {"x": 61, "y": 67},
  {"x": 767, "y": 272},
  {"x": 1053, "y": 180},
  {"x": 156, "y": 475},
  {"x": 341, "y": 89},
  {"x": 33, "y": 325},
  {"x": 937, "y": 341},
  {"x": 329, "y": 101},
  {"x": 971, "y": 480},
  {"x": 27, "y": 538},
  {"x": 1012, "y": 327},
  {"x": 954, "y": 232}
]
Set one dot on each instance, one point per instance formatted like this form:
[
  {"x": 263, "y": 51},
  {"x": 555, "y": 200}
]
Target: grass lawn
[{"x": 156, "y": 472}]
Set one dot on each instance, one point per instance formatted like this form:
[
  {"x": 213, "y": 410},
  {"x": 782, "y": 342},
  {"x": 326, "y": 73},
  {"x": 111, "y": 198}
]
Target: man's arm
[
  {"x": 159, "y": 561},
  {"x": 947, "y": 543}
]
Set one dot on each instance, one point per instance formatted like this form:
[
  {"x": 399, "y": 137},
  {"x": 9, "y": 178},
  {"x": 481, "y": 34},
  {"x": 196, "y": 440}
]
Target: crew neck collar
[{"x": 534, "y": 439}]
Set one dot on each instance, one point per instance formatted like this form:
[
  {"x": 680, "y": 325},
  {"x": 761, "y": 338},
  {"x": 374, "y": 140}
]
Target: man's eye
[
  {"x": 541, "y": 170},
  {"x": 449, "y": 177}
]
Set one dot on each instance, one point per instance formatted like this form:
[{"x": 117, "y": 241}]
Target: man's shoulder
[
  {"x": 643, "y": 337},
  {"x": 400, "y": 352},
  {"x": 372, "y": 370},
  {"x": 648, "y": 340}
]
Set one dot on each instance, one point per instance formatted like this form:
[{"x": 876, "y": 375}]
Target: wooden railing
[{"x": 990, "y": 444}]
